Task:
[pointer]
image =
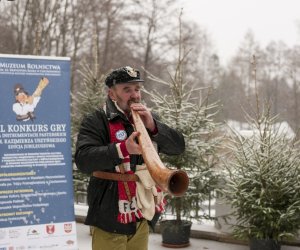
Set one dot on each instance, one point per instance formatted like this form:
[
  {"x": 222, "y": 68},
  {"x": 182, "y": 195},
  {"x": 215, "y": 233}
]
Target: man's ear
[{"x": 111, "y": 94}]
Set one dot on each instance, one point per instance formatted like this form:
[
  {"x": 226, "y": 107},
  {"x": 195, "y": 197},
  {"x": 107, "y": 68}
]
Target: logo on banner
[
  {"x": 14, "y": 233},
  {"x": 68, "y": 227},
  {"x": 50, "y": 229},
  {"x": 20, "y": 248},
  {"x": 70, "y": 242},
  {"x": 32, "y": 232},
  {"x": 121, "y": 135},
  {"x": 32, "y": 247}
]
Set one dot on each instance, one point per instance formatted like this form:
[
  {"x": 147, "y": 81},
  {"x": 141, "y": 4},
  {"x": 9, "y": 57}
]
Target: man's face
[
  {"x": 21, "y": 97},
  {"x": 125, "y": 93}
]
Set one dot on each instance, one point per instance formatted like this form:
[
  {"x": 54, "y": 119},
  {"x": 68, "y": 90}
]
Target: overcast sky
[{"x": 227, "y": 21}]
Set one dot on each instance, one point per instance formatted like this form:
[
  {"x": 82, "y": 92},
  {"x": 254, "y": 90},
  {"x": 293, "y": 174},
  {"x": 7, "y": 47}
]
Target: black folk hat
[
  {"x": 123, "y": 75},
  {"x": 18, "y": 89}
]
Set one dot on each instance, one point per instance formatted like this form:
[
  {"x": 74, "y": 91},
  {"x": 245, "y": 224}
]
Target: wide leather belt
[{"x": 115, "y": 176}]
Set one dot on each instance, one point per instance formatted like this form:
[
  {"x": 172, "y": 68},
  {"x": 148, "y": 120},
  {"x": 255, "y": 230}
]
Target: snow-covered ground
[
  {"x": 84, "y": 237},
  {"x": 84, "y": 242}
]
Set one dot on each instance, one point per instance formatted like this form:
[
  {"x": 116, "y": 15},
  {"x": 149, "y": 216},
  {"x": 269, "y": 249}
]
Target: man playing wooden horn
[
  {"x": 25, "y": 104},
  {"x": 107, "y": 149}
]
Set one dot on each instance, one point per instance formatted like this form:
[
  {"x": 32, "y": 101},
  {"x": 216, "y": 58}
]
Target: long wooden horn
[{"x": 173, "y": 181}]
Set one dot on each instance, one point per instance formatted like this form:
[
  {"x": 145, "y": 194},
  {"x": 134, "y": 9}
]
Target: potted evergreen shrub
[
  {"x": 262, "y": 183},
  {"x": 182, "y": 106}
]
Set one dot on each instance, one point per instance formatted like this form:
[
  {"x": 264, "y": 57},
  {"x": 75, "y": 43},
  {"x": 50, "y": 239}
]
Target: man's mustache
[{"x": 133, "y": 101}]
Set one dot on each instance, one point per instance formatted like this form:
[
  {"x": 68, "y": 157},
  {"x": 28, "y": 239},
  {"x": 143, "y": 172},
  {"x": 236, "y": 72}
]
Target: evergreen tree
[
  {"x": 262, "y": 178},
  {"x": 184, "y": 108},
  {"x": 91, "y": 97}
]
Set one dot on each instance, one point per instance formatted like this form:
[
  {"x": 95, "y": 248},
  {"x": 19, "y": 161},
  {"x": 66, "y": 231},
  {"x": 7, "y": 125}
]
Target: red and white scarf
[{"x": 128, "y": 208}]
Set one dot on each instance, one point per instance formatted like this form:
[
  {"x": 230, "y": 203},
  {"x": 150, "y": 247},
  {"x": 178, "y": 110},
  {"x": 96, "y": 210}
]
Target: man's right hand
[
  {"x": 29, "y": 99},
  {"x": 132, "y": 146}
]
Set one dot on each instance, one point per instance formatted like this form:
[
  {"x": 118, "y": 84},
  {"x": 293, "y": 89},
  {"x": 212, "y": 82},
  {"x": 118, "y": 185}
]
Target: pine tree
[{"x": 184, "y": 108}]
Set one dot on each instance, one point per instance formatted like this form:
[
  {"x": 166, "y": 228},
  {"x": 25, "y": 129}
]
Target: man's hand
[
  {"x": 42, "y": 84},
  {"x": 132, "y": 146},
  {"x": 145, "y": 115},
  {"x": 44, "y": 81},
  {"x": 29, "y": 99}
]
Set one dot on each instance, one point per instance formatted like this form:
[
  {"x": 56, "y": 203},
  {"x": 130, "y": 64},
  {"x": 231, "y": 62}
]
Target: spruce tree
[
  {"x": 188, "y": 110},
  {"x": 262, "y": 177}
]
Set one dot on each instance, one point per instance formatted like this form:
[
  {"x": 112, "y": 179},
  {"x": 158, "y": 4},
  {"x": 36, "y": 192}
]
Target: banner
[{"x": 36, "y": 184}]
